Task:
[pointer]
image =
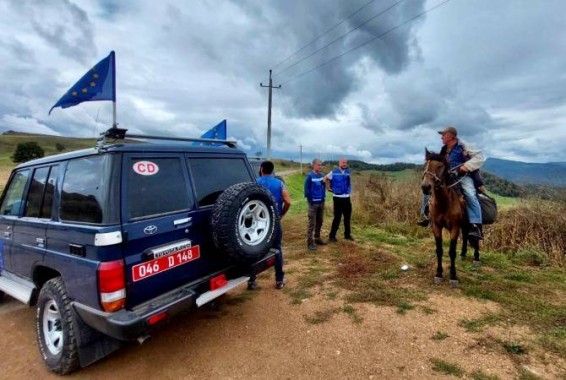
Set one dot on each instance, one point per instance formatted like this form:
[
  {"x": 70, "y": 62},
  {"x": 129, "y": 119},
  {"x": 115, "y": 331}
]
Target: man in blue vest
[
  {"x": 279, "y": 191},
  {"x": 315, "y": 192},
  {"x": 338, "y": 183}
]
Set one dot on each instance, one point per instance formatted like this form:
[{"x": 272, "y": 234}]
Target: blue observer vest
[
  {"x": 275, "y": 187},
  {"x": 456, "y": 156},
  {"x": 341, "y": 182},
  {"x": 315, "y": 189}
]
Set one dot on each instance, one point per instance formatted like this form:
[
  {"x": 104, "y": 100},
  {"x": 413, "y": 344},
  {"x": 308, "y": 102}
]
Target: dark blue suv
[{"x": 109, "y": 241}]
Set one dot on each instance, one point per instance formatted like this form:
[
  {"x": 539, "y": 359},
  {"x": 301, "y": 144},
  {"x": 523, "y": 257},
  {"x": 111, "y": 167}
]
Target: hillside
[
  {"x": 9, "y": 141},
  {"x": 551, "y": 173},
  {"x": 494, "y": 183}
]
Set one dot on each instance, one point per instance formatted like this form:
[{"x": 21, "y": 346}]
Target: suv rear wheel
[
  {"x": 56, "y": 333},
  {"x": 243, "y": 221}
]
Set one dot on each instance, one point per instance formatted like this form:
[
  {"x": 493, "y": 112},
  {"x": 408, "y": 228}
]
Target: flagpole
[{"x": 114, "y": 123}]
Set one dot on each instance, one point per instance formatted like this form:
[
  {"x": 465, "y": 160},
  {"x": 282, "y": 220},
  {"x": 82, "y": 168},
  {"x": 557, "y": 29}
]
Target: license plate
[{"x": 162, "y": 264}]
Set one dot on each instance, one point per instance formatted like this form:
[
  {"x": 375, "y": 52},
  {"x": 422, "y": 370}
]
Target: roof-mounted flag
[
  {"x": 99, "y": 83},
  {"x": 218, "y": 132}
]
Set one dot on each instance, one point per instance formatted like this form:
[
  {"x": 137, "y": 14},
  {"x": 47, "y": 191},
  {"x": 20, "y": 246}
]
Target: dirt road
[{"x": 263, "y": 335}]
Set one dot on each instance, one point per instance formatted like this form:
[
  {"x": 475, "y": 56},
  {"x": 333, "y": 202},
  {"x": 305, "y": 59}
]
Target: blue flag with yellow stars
[
  {"x": 99, "y": 83},
  {"x": 217, "y": 132}
]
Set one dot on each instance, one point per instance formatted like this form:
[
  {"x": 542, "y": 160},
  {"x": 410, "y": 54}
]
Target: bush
[
  {"x": 379, "y": 199},
  {"x": 27, "y": 151},
  {"x": 533, "y": 226},
  {"x": 60, "y": 147}
]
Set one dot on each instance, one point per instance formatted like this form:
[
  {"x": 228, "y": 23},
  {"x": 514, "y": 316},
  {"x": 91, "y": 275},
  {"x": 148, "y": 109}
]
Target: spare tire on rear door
[{"x": 243, "y": 221}]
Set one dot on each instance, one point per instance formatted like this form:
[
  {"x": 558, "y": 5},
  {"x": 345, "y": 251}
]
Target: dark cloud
[
  {"x": 70, "y": 32},
  {"x": 317, "y": 85},
  {"x": 392, "y": 42},
  {"x": 21, "y": 53}
]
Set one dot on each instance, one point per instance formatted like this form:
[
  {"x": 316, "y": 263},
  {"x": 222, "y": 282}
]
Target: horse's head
[{"x": 434, "y": 172}]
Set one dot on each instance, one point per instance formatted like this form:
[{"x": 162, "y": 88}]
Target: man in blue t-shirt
[
  {"x": 315, "y": 192},
  {"x": 338, "y": 183},
  {"x": 279, "y": 191}
]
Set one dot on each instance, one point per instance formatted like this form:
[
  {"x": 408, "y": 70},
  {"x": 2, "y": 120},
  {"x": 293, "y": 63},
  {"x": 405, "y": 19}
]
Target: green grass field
[
  {"x": 9, "y": 143},
  {"x": 529, "y": 293}
]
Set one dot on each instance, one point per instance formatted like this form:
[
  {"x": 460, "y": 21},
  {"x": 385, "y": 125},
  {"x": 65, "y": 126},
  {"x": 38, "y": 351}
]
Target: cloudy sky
[{"x": 370, "y": 80}]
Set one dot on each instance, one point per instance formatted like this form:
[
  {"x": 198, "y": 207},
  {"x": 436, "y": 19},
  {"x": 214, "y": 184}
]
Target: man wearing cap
[{"x": 463, "y": 159}]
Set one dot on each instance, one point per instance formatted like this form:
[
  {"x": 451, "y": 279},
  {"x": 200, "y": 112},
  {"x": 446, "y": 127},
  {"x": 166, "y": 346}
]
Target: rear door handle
[
  {"x": 180, "y": 222},
  {"x": 7, "y": 234},
  {"x": 40, "y": 242}
]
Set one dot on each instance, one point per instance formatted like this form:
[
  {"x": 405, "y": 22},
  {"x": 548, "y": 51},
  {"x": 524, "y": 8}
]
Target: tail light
[
  {"x": 218, "y": 282},
  {"x": 112, "y": 285}
]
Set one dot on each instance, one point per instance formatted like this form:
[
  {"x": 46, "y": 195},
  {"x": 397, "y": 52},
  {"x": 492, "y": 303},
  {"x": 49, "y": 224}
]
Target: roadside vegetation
[
  {"x": 523, "y": 258},
  {"x": 523, "y": 266}
]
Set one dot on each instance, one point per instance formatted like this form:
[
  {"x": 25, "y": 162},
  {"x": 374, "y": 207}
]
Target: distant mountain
[{"x": 550, "y": 174}]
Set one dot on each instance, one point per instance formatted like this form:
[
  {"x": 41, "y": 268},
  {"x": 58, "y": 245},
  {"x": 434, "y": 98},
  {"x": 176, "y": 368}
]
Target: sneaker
[
  {"x": 475, "y": 232},
  {"x": 252, "y": 285},
  {"x": 424, "y": 222},
  {"x": 319, "y": 241},
  {"x": 279, "y": 285},
  {"x": 332, "y": 240},
  {"x": 349, "y": 238},
  {"x": 312, "y": 247}
]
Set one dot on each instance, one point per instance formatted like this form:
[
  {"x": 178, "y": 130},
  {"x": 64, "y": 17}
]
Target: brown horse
[{"x": 446, "y": 211}]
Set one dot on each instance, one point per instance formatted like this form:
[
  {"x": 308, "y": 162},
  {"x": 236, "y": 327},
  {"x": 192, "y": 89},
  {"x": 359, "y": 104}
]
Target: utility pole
[
  {"x": 301, "y": 157},
  {"x": 270, "y": 86}
]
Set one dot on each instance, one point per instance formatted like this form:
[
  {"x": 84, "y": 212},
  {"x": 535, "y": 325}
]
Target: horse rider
[{"x": 465, "y": 161}]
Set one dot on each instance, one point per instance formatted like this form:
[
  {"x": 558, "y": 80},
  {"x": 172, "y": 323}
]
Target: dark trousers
[
  {"x": 277, "y": 242},
  {"x": 316, "y": 216},
  {"x": 342, "y": 206}
]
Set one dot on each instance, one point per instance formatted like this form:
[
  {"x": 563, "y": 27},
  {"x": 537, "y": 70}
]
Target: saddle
[{"x": 488, "y": 204}]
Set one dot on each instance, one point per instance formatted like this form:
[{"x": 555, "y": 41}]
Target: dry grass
[
  {"x": 380, "y": 199},
  {"x": 535, "y": 229},
  {"x": 534, "y": 226}
]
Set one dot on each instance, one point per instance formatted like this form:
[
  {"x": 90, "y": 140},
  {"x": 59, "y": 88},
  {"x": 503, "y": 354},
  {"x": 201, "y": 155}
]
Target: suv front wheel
[{"x": 243, "y": 221}]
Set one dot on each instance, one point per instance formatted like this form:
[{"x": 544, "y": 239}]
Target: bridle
[{"x": 437, "y": 180}]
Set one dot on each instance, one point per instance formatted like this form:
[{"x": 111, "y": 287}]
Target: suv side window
[
  {"x": 41, "y": 192},
  {"x": 49, "y": 196},
  {"x": 15, "y": 193},
  {"x": 84, "y": 190},
  {"x": 157, "y": 190},
  {"x": 212, "y": 176}
]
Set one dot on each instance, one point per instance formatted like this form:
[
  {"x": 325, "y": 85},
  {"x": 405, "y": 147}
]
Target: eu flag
[
  {"x": 217, "y": 132},
  {"x": 99, "y": 83}
]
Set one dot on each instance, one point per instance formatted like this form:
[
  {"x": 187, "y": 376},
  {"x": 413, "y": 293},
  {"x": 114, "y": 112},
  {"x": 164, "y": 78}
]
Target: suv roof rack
[{"x": 120, "y": 133}]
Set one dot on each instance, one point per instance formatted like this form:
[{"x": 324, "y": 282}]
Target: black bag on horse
[{"x": 488, "y": 208}]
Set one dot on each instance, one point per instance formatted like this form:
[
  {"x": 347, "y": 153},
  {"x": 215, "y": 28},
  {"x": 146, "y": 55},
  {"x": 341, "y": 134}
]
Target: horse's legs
[
  {"x": 452, "y": 253},
  {"x": 465, "y": 230},
  {"x": 475, "y": 243},
  {"x": 438, "y": 240}
]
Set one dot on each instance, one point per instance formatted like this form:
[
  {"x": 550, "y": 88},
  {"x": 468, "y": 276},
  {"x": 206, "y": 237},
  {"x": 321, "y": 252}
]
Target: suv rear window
[
  {"x": 159, "y": 193},
  {"x": 212, "y": 176}
]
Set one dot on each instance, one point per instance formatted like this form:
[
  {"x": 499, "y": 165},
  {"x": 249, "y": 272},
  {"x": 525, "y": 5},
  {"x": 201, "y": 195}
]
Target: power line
[
  {"x": 367, "y": 42},
  {"x": 340, "y": 37},
  {"x": 323, "y": 34}
]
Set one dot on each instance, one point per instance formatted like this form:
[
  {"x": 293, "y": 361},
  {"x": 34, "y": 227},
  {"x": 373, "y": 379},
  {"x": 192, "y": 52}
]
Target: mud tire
[{"x": 244, "y": 221}]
